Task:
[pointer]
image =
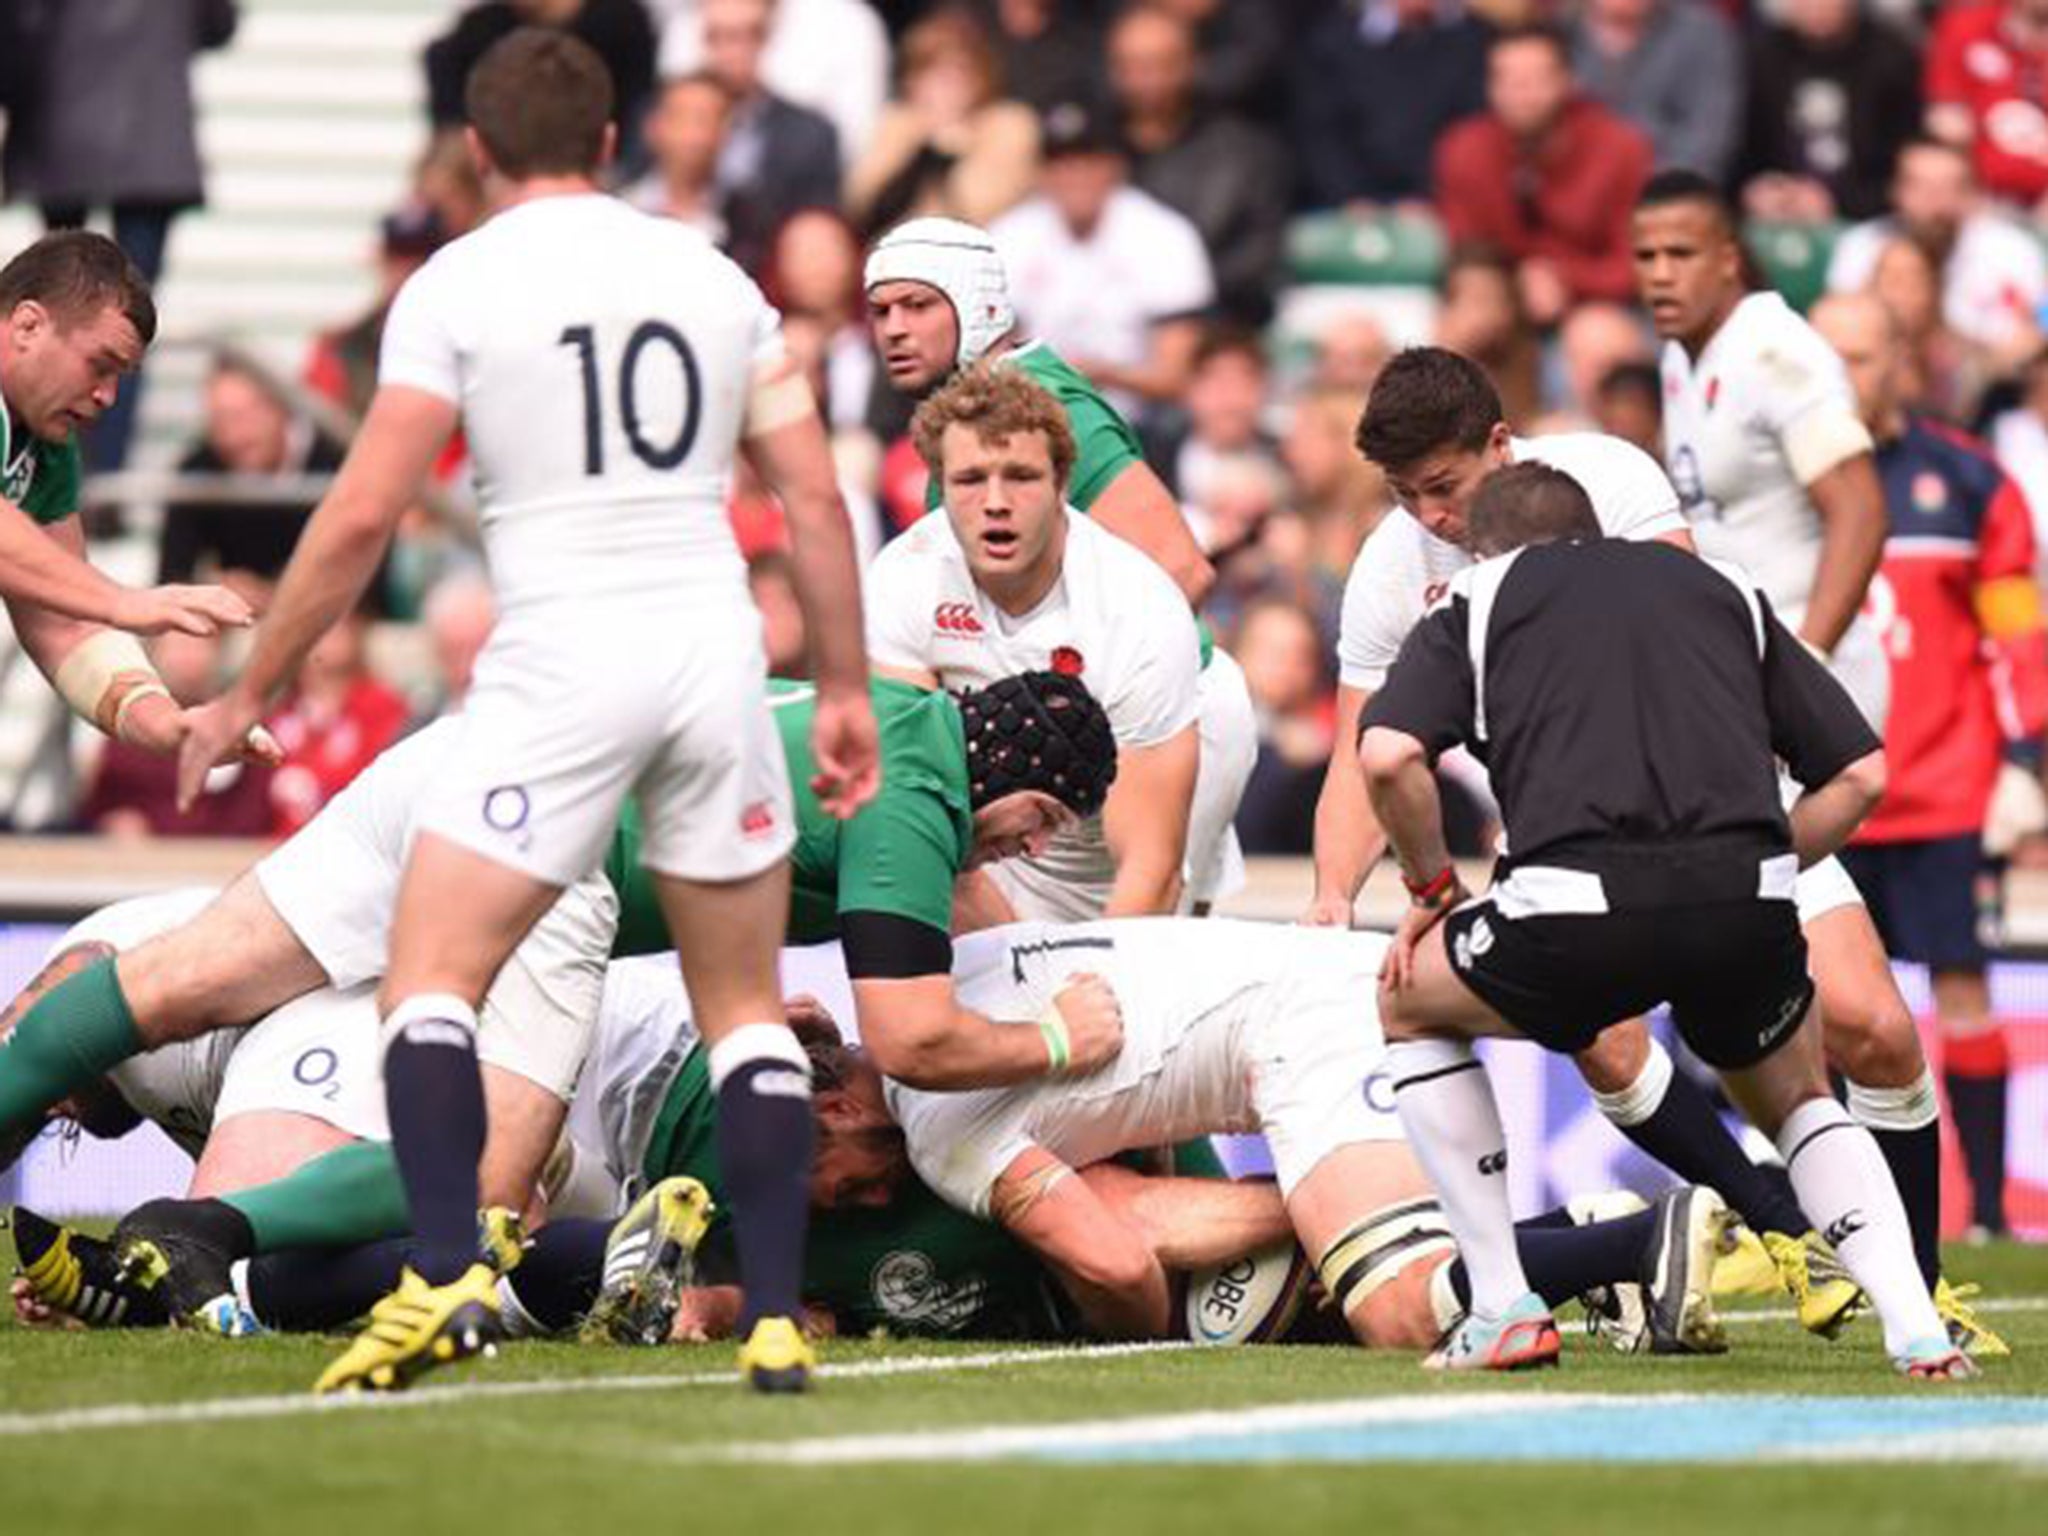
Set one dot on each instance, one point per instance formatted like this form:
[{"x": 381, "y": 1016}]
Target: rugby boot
[
  {"x": 775, "y": 1357},
  {"x": 1522, "y": 1337},
  {"x": 1934, "y": 1359},
  {"x": 419, "y": 1328},
  {"x": 1966, "y": 1330},
  {"x": 649, "y": 1258},
  {"x": 1826, "y": 1293},
  {"x": 182, "y": 1251},
  {"x": 1678, "y": 1273},
  {"x": 1746, "y": 1268},
  {"x": 77, "y": 1275}
]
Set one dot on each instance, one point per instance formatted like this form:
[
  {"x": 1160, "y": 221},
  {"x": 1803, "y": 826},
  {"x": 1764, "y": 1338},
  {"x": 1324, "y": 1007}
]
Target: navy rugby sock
[
  {"x": 308, "y": 1289},
  {"x": 1564, "y": 1262},
  {"x": 558, "y": 1276},
  {"x": 434, "y": 1094},
  {"x": 764, "y": 1158}
]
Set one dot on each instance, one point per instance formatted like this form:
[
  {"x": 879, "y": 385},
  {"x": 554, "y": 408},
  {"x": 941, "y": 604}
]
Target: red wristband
[{"x": 1426, "y": 893}]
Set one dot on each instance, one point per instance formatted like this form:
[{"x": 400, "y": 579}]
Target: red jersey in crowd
[
  {"x": 1974, "y": 62},
  {"x": 1962, "y": 622},
  {"x": 324, "y": 749}
]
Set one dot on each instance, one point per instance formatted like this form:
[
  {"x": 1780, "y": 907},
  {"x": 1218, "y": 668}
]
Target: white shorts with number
[
  {"x": 560, "y": 729},
  {"x": 335, "y": 885},
  {"x": 319, "y": 1055},
  {"x": 1314, "y": 1055},
  {"x": 1229, "y": 729}
]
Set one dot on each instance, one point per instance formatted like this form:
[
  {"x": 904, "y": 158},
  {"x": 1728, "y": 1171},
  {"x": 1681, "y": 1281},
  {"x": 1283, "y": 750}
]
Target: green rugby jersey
[
  {"x": 914, "y": 1268},
  {"x": 1105, "y": 446},
  {"x": 40, "y": 478},
  {"x": 899, "y": 855}
]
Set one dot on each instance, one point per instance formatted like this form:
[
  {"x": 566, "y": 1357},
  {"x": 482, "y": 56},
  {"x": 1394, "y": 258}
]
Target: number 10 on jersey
[{"x": 662, "y": 337}]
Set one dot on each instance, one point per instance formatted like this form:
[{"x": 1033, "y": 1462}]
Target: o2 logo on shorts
[
  {"x": 319, "y": 1068},
  {"x": 507, "y": 809}
]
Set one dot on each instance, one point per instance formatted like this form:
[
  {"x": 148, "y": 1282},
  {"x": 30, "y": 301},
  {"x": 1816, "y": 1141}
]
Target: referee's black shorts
[{"x": 1734, "y": 973}]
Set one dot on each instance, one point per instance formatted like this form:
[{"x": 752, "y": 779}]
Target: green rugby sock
[
  {"x": 80, "y": 1029},
  {"x": 341, "y": 1198}
]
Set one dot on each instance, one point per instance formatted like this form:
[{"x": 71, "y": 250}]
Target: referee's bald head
[{"x": 1528, "y": 503}]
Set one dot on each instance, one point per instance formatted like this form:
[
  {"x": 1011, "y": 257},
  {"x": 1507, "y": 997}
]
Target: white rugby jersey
[
  {"x": 175, "y": 1086},
  {"x": 1764, "y": 379},
  {"x": 1114, "y": 619},
  {"x": 1178, "y": 1074},
  {"x": 601, "y": 359},
  {"x": 644, "y": 1032},
  {"x": 1403, "y": 568}
]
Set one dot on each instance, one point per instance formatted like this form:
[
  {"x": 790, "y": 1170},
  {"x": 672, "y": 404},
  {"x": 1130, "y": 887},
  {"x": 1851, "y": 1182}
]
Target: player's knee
[
  {"x": 1873, "y": 1039},
  {"x": 1379, "y": 1271},
  {"x": 1616, "y": 1058}
]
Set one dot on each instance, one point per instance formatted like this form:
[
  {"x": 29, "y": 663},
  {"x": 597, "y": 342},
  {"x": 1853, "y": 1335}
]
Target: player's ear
[
  {"x": 609, "y": 149},
  {"x": 479, "y": 157}
]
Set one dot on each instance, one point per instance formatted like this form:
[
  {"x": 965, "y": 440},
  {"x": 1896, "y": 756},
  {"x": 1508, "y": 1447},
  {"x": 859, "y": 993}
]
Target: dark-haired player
[
  {"x": 1776, "y": 470},
  {"x": 75, "y": 319},
  {"x": 1434, "y": 424}
]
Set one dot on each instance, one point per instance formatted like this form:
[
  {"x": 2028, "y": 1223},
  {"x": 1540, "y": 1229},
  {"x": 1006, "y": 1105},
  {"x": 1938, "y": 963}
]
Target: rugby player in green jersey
[{"x": 75, "y": 318}]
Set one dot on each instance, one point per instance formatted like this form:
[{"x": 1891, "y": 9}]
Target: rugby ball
[{"x": 1252, "y": 1300}]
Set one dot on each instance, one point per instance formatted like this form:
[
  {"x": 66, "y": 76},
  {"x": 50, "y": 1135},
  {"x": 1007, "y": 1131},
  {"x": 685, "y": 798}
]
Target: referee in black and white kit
[{"x": 1631, "y": 702}]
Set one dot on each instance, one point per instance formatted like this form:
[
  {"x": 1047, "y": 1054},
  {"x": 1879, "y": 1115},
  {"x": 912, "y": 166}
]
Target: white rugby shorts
[{"x": 559, "y": 729}]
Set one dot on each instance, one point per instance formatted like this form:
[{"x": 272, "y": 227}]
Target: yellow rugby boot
[
  {"x": 417, "y": 1328},
  {"x": 649, "y": 1258},
  {"x": 1966, "y": 1330},
  {"x": 775, "y": 1357},
  {"x": 1826, "y": 1293}
]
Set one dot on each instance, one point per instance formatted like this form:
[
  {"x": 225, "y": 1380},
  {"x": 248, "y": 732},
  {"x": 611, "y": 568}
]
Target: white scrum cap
[{"x": 958, "y": 259}]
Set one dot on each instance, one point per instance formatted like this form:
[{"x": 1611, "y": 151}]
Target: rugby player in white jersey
[
  {"x": 297, "y": 1091},
  {"x": 605, "y": 366},
  {"x": 1777, "y": 473},
  {"x": 1012, "y": 580},
  {"x": 1238, "y": 1027},
  {"x": 939, "y": 303},
  {"x": 1434, "y": 425}
]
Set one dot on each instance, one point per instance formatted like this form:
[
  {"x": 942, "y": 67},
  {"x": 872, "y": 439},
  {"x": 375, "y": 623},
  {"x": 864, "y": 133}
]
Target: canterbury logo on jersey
[{"x": 956, "y": 619}]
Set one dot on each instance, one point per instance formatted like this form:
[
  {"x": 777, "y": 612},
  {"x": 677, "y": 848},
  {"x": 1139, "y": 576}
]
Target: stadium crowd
[{"x": 1202, "y": 206}]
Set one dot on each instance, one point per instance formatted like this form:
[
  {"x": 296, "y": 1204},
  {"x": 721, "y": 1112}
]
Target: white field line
[
  {"x": 1993, "y": 1304},
  {"x": 2025, "y": 1444},
  {"x": 1159, "y": 1429},
  {"x": 295, "y": 1405}
]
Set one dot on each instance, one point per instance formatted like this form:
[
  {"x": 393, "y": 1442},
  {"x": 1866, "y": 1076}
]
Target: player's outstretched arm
[
  {"x": 44, "y": 571},
  {"x": 1348, "y": 839},
  {"x": 1136, "y": 506},
  {"x": 1189, "y": 1223},
  {"x": 1405, "y": 798},
  {"x": 1101, "y": 1261},
  {"x": 403, "y": 433},
  {"x": 917, "y": 1033},
  {"x": 1850, "y": 501},
  {"x": 1823, "y": 819},
  {"x": 1145, "y": 824}
]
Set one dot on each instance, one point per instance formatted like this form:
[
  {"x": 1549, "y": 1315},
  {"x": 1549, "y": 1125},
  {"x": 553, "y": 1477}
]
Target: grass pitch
[{"x": 174, "y": 1433}]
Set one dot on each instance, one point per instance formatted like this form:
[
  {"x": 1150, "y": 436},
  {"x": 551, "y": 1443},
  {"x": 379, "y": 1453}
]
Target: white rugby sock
[
  {"x": 1446, "y": 1104},
  {"x": 1642, "y": 1098},
  {"x": 1845, "y": 1187}
]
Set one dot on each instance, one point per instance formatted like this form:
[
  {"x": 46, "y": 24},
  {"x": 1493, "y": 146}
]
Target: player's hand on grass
[
  {"x": 1094, "y": 1019},
  {"x": 198, "y": 611},
  {"x": 1398, "y": 969},
  {"x": 704, "y": 1313},
  {"x": 31, "y": 1313},
  {"x": 847, "y": 749},
  {"x": 214, "y": 734}
]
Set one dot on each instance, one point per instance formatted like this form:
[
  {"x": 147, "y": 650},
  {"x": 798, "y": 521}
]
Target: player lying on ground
[
  {"x": 1652, "y": 862},
  {"x": 965, "y": 781},
  {"x": 885, "y": 1251}
]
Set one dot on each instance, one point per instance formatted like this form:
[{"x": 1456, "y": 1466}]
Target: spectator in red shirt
[
  {"x": 1987, "y": 90},
  {"x": 1545, "y": 175},
  {"x": 338, "y": 718}
]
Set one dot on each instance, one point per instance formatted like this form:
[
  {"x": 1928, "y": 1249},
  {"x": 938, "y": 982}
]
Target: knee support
[{"x": 1374, "y": 1251}]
